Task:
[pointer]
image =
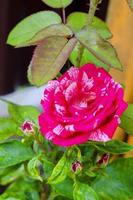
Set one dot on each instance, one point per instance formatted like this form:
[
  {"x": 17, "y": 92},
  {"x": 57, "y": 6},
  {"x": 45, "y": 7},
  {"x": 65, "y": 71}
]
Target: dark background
[{"x": 14, "y": 62}]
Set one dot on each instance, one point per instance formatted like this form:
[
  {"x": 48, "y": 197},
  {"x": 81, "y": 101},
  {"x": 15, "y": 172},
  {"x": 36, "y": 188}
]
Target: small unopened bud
[
  {"x": 103, "y": 159},
  {"x": 27, "y": 127},
  {"x": 76, "y": 166}
]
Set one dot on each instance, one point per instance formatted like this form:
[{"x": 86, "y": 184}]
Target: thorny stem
[
  {"x": 64, "y": 15},
  {"x": 92, "y": 10}
]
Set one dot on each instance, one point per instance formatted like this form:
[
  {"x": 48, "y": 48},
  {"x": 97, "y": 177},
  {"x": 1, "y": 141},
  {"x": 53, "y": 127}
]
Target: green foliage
[
  {"x": 14, "y": 152},
  {"x": 8, "y": 128},
  {"x": 21, "y": 190},
  {"x": 127, "y": 120},
  {"x": 102, "y": 49},
  {"x": 48, "y": 59},
  {"x": 78, "y": 20},
  {"x": 50, "y": 31},
  {"x": 30, "y": 26},
  {"x": 83, "y": 191},
  {"x": 78, "y": 58},
  {"x": 11, "y": 174},
  {"x": 112, "y": 146},
  {"x": 59, "y": 172},
  {"x": 117, "y": 184},
  {"x": 58, "y": 3},
  {"x": 21, "y": 113},
  {"x": 35, "y": 168}
]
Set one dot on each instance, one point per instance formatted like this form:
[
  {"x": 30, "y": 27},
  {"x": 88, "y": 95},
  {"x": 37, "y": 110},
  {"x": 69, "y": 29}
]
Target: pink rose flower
[{"x": 84, "y": 104}]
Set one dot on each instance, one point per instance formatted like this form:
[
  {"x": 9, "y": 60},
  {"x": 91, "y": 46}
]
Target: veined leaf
[
  {"x": 14, "y": 152},
  {"x": 102, "y": 49},
  {"x": 48, "y": 59},
  {"x": 28, "y": 27},
  {"x": 118, "y": 181},
  {"x": 112, "y": 146},
  {"x": 85, "y": 57},
  {"x": 20, "y": 113},
  {"x": 127, "y": 120},
  {"x": 78, "y": 20},
  {"x": 84, "y": 192},
  {"x": 58, "y": 3},
  {"x": 53, "y": 30},
  {"x": 8, "y": 128},
  {"x": 59, "y": 172}
]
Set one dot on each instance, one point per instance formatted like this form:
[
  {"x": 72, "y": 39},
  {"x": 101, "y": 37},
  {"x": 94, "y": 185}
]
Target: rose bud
[
  {"x": 76, "y": 166},
  {"x": 27, "y": 127},
  {"x": 103, "y": 159},
  {"x": 83, "y": 104}
]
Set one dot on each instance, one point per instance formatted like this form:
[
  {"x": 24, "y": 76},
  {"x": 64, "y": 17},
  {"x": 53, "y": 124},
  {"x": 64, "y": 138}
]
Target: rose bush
[{"x": 84, "y": 104}]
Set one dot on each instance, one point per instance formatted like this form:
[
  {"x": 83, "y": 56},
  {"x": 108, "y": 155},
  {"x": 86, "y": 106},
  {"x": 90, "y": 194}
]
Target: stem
[
  {"x": 64, "y": 15},
  {"x": 92, "y": 10},
  {"x": 39, "y": 143}
]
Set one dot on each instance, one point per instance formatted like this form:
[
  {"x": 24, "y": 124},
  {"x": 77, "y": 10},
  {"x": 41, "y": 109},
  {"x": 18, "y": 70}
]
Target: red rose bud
[
  {"x": 76, "y": 166},
  {"x": 103, "y": 159},
  {"x": 27, "y": 127}
]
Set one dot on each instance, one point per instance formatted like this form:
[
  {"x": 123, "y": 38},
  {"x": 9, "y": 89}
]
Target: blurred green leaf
[
  {"x": 11, "y": 174},
  {"x": 127, "y": 120},
  {"x": 112, "y": 146},
  {"x": 53, "y": 30},
  {"x": 59, "y": 172},
  {"x": 21, "y": 113},
  {"x": 47, "y": 167},
  {"x": 14, "y": 152},
  {"x": 28, "y": 27},
  {"x": 85, "y": 57},
  {"x": 78, "y": 20},
  {"x": 84, "y": 192},
  {"x": 130, "y": 3},
  {"x": 58, "y": 3},
  {"x": 21, "y": 190},
  {"x": 48, "y": 59},
  {"x": 102, "y": 49},
  {"x": 65, "y": 188},
  {"x": 8, "y": 128},
  {"x": 35, "y": 168},
  {"x": 118, "y": 182}
]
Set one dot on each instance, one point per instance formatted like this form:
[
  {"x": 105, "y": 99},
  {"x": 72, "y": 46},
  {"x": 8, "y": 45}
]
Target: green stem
[
  {"x": 64, "y": 15},
  {"x": 92, "y": 10}
]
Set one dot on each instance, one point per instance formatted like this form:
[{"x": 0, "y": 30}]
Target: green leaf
[
  {"x": 21, "y": 113},
  {"x": 102, "y": 49},
  {"x": 58, "y": 3},
  {"x": 78, "y": 20},
  {"x": 11, "y": 174},
  {"x": 130, "y": 3},
  {"x": 85, "y": 57},
  {"x": 112, "y": 146},
  {"x": 118, "y": 182},
  {"x": 127, "y": 120},
  {"x": 53, "y": 30},
  {"x": 83, "y": 192},
  {"x": 65, "y": 188},
  {"x": 21, "y": 190},
  {"x": 47, "y": 167},
  {"x": 8, "y": 128},
  {"x": 28, "y": 27},
  {"x": 48, "y": 59},
  {"x": 35, "y": 168},
  {"x": 59, "y": 172},
  {"x": 14, "y": 152}
]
